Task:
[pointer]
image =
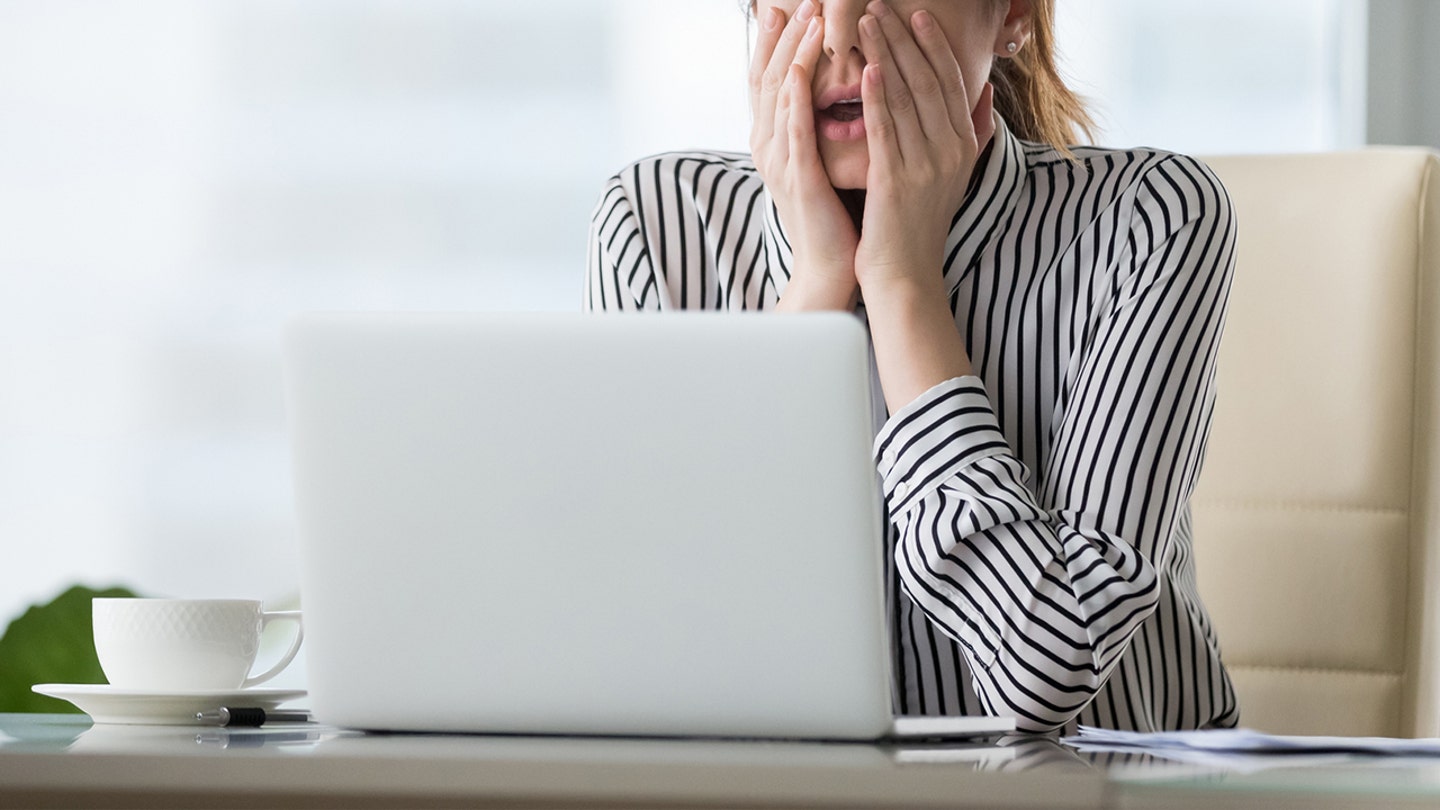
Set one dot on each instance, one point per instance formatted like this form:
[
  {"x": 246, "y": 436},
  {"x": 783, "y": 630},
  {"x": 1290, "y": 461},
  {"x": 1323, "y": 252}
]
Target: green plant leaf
[{"x": 51, "y": 643}]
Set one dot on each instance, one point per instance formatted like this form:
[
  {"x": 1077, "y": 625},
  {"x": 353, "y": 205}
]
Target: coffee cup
[{"x": 181, "y": 645}]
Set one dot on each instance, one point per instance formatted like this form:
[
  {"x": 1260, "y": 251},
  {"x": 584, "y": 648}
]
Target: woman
[{"x": 1045, "y": 322}]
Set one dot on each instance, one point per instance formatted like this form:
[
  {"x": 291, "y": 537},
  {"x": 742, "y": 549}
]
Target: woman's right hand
[{"x": 782, "y": 141}]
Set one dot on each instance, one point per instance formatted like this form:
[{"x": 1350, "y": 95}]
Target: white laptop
[{"x": 593, "y": 525}]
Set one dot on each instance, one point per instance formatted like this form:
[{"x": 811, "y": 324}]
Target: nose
[{"x": 842, "y": 27}]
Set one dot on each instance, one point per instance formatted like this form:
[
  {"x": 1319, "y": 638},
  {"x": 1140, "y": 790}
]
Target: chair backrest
[{"x": 1317, "y": 517}]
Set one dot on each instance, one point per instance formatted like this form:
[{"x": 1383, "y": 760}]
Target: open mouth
[
  {"x": 850, "y": 109},
  {"x": 839, "y": 114}
]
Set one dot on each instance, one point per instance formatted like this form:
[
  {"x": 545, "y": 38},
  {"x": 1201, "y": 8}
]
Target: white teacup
[{"x": 185, "y": 645}]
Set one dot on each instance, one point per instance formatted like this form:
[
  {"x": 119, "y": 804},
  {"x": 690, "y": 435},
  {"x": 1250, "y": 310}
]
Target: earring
[{"x": 1012, "y": 47}]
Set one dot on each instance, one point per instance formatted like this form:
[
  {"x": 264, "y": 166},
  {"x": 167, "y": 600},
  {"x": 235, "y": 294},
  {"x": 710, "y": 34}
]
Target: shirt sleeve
[
  {"x": 1043, "y": 581},
  {"x": 620, "y": 273}
]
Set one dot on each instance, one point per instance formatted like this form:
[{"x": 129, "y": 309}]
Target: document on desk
[{"x": 1246, "y": 741}]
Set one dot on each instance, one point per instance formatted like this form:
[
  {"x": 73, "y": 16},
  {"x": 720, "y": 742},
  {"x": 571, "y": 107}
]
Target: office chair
[{"x": 1317, "y": 515}]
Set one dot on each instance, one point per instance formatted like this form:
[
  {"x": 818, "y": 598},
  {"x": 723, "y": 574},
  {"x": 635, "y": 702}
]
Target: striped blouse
[{"x": 1039, "y": 510}]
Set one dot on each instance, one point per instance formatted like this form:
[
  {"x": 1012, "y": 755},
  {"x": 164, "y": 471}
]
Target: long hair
[{"x": 1030, "y": 94}]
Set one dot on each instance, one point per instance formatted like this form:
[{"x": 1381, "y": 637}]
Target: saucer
[{"x": 108, "y": 704}]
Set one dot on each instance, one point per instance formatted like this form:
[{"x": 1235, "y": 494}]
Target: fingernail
[
  {"x": 923, "y": 21},
  {"x": 869, "y": 26},
  {"x": 813, "y": 28},
  {"x": 805, "y": 12},
  {"x": 772, "y": 18},
  {"x": 877, "y": 8}
]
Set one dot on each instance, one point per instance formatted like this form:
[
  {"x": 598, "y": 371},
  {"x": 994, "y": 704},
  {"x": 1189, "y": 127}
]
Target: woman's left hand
[{"x": 924, "y": 142}]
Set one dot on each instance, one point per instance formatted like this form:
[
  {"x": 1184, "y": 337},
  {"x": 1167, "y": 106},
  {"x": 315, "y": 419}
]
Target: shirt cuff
[{"x": 943, "y": 430}]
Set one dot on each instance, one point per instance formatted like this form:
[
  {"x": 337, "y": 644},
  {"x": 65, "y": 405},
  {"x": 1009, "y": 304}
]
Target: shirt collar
[{"x": 988, "y": 203}]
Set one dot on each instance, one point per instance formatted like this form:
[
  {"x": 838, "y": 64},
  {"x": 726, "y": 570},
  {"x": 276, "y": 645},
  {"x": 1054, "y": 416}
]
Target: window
[{"x": 1220, "y": 76}]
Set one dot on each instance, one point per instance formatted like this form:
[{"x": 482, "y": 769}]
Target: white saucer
[{"x": 108, "y": 704}]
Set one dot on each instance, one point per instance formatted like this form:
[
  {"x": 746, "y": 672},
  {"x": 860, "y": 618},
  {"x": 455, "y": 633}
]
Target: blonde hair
[{"x": 1030, "y": 94}]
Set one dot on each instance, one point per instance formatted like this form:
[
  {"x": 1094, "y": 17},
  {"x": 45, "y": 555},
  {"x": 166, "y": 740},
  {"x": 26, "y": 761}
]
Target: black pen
[{"x": 229, "y": 716}]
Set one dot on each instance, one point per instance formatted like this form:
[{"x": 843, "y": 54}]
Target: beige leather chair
[{"x": 1317, "y": 518}]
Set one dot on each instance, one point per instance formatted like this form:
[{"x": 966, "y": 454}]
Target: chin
[
  {"x": 853, "y": 180},
  {"x": 847, "y": 167}
]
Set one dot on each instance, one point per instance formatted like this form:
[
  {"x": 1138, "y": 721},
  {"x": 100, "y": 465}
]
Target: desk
[{"x": 61, "y": 760}]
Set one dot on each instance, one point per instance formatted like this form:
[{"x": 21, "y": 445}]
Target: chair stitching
[
  {"x": 1296, "y": 506},
  {"x": 1334, "y": 671}
]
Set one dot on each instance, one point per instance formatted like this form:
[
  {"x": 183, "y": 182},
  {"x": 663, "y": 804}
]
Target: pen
[{"x": 238, "y": 716}]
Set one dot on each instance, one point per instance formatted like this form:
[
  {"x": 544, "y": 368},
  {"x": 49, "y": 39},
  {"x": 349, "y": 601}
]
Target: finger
[
  {"x": 807, "y": 53},
  {"x": 803, "y": 149},
  {"x": 762, "y": 108},
  {"x": 772, "y": 23},
  {"x": 920, "y": 80},
  {"x": 899, "y": 106},
  {"x": 773, "y": 77},
  {"x": 784, "y": 105},
  {"x": 880, "y": 136},
  {"x": 942, "y": 61}
]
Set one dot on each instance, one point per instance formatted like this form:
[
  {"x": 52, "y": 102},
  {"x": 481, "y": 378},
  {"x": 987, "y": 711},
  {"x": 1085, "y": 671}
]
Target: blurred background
[{"x": 178, "y": 178}]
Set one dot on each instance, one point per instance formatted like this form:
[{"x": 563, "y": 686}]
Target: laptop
[{"x": 577, "y": 524}]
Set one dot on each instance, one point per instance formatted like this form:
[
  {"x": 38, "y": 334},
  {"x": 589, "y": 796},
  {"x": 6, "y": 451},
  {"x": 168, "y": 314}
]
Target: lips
[
  {"x": 838, "y": 101},
  {"x": 840, "y": 115}
]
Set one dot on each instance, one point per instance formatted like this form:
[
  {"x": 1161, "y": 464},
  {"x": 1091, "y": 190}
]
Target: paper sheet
[{"x": 1246, "y": 741}]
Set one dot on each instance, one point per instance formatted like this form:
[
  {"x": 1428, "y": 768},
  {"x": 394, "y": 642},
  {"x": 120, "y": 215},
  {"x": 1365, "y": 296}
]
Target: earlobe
[
  {"x": 1015, "y": 29},
  {"x": 1009, "y": 43}
]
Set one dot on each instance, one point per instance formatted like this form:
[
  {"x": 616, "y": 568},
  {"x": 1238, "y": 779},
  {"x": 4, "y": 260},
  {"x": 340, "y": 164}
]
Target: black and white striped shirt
[{"x": 1039, "y": 510}]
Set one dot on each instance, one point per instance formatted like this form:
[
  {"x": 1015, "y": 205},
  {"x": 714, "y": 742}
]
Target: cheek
[
  {"x": 973, "y": 53},
  {"x": 976, "y": 74}
]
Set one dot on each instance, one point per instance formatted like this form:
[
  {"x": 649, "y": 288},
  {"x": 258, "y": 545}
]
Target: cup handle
[{"x": 265, "y": 619}]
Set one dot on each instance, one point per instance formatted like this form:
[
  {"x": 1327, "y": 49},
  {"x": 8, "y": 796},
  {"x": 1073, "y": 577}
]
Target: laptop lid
[{"x": 586, "y": 524}]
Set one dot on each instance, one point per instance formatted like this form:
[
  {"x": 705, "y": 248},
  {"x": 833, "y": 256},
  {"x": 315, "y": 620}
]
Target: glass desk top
[{"x": 66, "y": 752}]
